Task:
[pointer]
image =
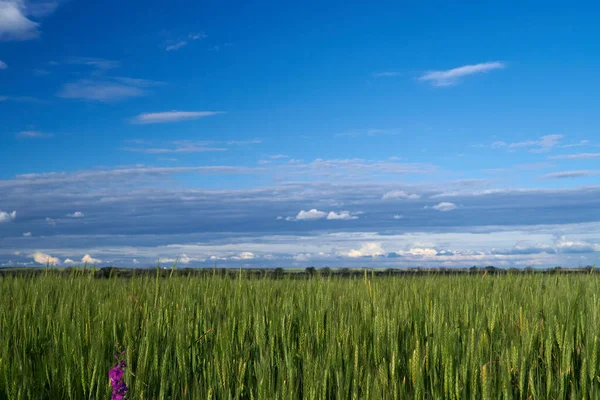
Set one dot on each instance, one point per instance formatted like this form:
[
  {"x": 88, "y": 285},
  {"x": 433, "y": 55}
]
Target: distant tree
[
  {"x": 345, "y": 272},
  {"x": 279, "y": 272},
  {"x": 310, "y": 271},
  {"x": 326, "y": 271},
  {"x": 490, "y": 269}
]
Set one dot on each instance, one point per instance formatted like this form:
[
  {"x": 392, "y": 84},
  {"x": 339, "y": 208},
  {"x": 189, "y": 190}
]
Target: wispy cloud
[
  {"x": 34, "y": 134},
  {"x": 176, "y": 46},
  {"x": 572, "y": 174},
  {"x": 14, "y": 22},
  {"x": 452, "y": 76},
  {"x": 399, "y": 194},
  {"x": 181, "y": 43},
  {"x": 580, "y": 156},
  {"x": 76, "y": 214},
  {"x": 106, "y": 89},
  {"x": 368, "y": 132},
  {"x": 171, "y": 116},
  {"x": 98, "y": 63},
  {"x": 179, "y": 146},
  {"x": 22, "y": 99},
  {"x": 3, "y": 65},
  {"x": 541, "y": 145}
]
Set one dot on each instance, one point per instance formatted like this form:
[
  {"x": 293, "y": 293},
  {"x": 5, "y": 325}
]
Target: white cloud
[
  {"x": 14, "y": 24},
  {"x": 565, "y": 245},
  {"x": 135, "y": 261},
  {"x": 311, "y": 215},
  {"x": 27, "y": 234},
  {"x": 451, "y": 76},
  {"x": 76, "y": 214},
  {"x": 197, "y": 36},
  {"x": 279, "y": 156},
  {"x": 90, "y": 260},
  {"x": 42, "y": 258},
  {"x": 369, "y": 249},
  {"x": 419, "y": 252},
  {"x": 176, "y": 46},
  {"x": 34, "y": 134},
  {"x": 171, "y": 116},
  {"x": 580, "y": 156},
  {"x": 104, "y": 91},
  {"x": 398, "y": 216},
  {"x": 445, "y": 206},
  {"x": 50, "y": 221},
  {"x": 245, "y": 255},
  {"x": 69, "y": 261},
  {"x": 7, "y": 217},
  {"x": 541, "y": 145},
  {"x": 3, "y": 65},
  {"x": 279, "y": 218},
  {"x": 572, "y": 174},
  {"x": 343, "y": 215},
  {"x": 399, "y": 194}
]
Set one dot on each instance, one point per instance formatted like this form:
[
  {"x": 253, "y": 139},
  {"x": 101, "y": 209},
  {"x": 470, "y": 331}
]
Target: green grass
[{"x": 456, "y": 337}]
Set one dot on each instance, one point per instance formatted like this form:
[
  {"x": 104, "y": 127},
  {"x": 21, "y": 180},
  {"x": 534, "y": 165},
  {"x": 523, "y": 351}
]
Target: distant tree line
[{"x": 279, "y": 273}]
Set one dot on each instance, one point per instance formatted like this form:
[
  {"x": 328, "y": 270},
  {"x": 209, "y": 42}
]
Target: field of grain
[{"x": 456, "y": 337}]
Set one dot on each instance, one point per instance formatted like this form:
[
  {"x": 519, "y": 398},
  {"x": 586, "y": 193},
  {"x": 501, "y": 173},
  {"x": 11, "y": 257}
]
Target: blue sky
[{"x": 339, "y": 134}]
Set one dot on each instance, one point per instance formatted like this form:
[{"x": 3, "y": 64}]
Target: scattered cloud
[
  {"x": 344, "y": 215},
  {"x": 452, "y": 76},
  {"x": 27, "y": 234},
  {"x": 34, "y": 134},
  {"x": 245, "y": 255},
  {"x": 87, "y": 259},
  {"x": 445, "y": 206},
  {"x": 76, "y": 214},
  {"x": 314, "y": 214},
  {"x": 398, "y": 216},
  {"x": 50, "y": 221},
  {"x": 580, "y": 156},
  {"x": 44, "y": 259},
  {"x": 369, "y": 249},
  {"x": 97, "y": 63},
  {"x": 310, "y": 215},
  {"x": 3, "y": 65},
  {"x": 176, "y": 46},
  {"x": 7, "y": 217},
  {"x": 197, "y": 36},
  {"x": 278, "y": 156},
  {"x": 572, "y": 174},
  {"x": 171, "y": 116},
  {"x": 399, "y": 194},
  {"x": 181, "y": 43}
]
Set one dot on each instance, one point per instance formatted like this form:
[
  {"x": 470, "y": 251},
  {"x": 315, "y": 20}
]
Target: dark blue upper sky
[{"x": 403, "y": 126}]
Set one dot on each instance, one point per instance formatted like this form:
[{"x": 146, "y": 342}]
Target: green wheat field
[{"x": 213, "y": 337}]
